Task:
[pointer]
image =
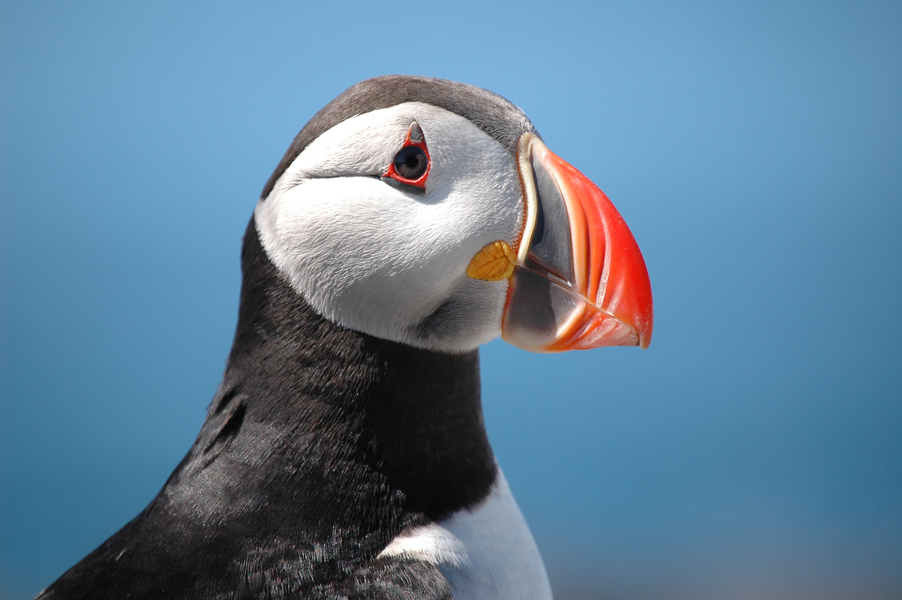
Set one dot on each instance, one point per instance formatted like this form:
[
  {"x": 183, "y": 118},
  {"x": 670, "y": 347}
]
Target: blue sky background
[{"x": 754, "y": 148}]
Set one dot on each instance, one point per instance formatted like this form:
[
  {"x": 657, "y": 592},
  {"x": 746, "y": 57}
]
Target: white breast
[{"x": 485, "y": 553}]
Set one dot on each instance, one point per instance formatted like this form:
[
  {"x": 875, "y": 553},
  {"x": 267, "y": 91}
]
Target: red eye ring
[{"x": 411, "y": 164}]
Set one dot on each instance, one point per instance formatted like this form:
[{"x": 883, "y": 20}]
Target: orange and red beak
[{"x": 578, "y": 279}]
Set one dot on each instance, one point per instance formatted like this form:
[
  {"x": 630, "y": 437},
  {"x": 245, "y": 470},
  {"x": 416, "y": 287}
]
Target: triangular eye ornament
[{"x": 411, "y": 164}]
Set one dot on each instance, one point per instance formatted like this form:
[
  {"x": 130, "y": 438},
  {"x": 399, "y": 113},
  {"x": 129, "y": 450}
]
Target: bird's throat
[{"x": 405, "y": 422}]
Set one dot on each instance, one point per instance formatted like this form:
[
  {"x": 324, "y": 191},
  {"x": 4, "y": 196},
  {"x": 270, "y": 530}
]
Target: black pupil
[{"x": 411, "y": 162}]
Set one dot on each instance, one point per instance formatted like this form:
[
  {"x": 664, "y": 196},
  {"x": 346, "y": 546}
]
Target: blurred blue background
[{"x": 754, "y": 148}]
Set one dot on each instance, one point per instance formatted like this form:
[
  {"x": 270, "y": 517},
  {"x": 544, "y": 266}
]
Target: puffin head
[{"x": 431, "y": 213}]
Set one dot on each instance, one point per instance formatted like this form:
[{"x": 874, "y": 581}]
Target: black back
[{"x": 320, "y": 446}]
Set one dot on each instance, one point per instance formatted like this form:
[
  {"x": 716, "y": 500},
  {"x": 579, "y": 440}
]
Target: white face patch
[{"x": 389, "y": 261}]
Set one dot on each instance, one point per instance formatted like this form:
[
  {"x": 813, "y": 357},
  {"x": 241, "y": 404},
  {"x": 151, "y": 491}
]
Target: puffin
[{"x": 344, "y": 454}]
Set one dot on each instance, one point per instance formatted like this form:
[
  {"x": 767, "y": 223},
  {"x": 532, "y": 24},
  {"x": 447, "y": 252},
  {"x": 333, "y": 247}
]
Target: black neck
[
  {"x": 320, "y": 446},
  {"x": 407, "y": 419}
]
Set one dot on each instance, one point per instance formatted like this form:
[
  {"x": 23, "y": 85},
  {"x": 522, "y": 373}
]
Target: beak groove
[{"x": 580, "y": 280}]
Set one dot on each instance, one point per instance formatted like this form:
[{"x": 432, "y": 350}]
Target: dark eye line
[{"x": 401, "y": 184}]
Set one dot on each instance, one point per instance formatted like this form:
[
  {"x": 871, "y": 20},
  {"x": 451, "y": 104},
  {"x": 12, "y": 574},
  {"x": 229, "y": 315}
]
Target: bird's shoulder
[{"x": 384, "y": 578}]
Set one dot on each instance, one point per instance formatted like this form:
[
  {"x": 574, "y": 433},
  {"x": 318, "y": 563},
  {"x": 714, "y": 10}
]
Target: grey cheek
[{"x": 463, "y": 320}]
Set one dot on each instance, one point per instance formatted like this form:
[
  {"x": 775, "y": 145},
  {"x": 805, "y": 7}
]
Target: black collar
[{"x": 320, "y": 446}]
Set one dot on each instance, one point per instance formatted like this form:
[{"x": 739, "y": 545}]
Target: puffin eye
[
  {"x": 411, "y": 162},
  {"x": 410, "y": 167}
]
